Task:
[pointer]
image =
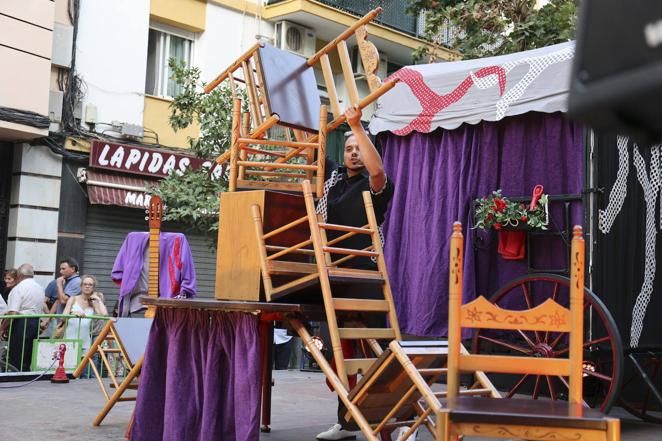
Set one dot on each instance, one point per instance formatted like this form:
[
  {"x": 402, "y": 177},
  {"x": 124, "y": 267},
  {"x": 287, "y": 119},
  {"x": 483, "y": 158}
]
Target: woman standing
[
  {"x": 89, "y": 302},
  {"x": 11, "y": 277}
]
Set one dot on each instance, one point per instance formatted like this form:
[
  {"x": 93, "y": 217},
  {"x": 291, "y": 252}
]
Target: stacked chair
[{"x": 282, "y": 93}]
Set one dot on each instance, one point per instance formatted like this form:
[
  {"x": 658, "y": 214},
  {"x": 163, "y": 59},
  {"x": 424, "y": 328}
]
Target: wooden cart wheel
[
  {"x": 636, "y": 397},
  {"x": 603, "y": 351}
]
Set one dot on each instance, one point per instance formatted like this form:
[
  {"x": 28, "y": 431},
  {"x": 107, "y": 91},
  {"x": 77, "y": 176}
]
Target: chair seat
[
  {"x": 526, "y": 412},
  {"x": 338, "y": 275}
]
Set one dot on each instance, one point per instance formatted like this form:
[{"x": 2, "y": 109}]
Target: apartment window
[{"x": 164, "y": 43}]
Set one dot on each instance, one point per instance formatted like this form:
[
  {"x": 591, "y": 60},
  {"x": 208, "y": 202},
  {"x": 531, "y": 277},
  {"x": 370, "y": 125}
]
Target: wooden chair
[
  {"x": 308, "y": 280},
  {"x": 393, "y": 378},
  {"x": 120, "y": 347},
  {"x": 520, "y": 418},
  {"x": 282, "y": 91}
]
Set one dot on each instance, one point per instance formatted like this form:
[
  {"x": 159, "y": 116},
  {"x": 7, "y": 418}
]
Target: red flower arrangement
[{"x": 497, "y": 211}]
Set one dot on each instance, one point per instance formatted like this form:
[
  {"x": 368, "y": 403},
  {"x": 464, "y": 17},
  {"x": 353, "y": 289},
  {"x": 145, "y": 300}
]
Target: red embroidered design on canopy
[{"x": 431, "y": 102}]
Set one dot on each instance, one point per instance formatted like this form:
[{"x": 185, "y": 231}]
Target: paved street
[{"x": 302, "y": 407}]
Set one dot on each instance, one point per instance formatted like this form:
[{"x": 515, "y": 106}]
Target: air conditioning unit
[
  {"x": 295, "y": 38},
  {"x": 357, "y": 64}
]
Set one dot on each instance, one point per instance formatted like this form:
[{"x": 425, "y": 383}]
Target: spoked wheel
[
  {"x": 643, "y": 381},
  {"x": 603, "y": 352}
]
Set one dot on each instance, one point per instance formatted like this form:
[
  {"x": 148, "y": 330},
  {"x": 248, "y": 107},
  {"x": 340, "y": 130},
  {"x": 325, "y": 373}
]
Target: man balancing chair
[
  {"x": 282, "y": 91},
  {"x": 520, "y": 418},
  {"x": 395, "y": 379}
]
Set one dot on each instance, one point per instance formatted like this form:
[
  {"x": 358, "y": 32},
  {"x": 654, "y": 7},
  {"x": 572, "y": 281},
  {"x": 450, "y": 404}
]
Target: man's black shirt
[{"x": 345, "y": 207}]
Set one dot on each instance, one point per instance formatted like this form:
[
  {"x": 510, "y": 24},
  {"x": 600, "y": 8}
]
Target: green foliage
[
  {"x": 497, "y": 211},
  {"x": 212, "y": 111},
  {"x": 497, "y": 27},
  {"x": 192, "y": 197}
]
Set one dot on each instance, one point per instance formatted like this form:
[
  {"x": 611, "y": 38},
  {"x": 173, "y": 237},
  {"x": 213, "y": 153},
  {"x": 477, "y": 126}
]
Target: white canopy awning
[{"x": 447, "y": 95}]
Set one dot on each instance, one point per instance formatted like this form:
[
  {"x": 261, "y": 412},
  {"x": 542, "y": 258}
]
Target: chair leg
[
  {"x": 234, "y": 146},
  {"x": 118, "y": 393},
  {"x": 614, "y": 430}
]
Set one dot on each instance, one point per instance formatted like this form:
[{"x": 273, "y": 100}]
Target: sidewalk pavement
[{"x": 302, "y": 406}]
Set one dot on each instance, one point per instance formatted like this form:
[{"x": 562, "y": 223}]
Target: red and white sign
[{"x": 143, "y": 161}]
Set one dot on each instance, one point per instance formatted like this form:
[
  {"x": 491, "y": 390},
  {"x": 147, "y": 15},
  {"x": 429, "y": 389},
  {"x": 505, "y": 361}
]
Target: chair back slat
[
  {"x": 258, "y": 118},
  {"x": 348, "y": 73},
  {"x": 330, "y": 84},
  {"x": 369, "y": 58},
  {"x": 548, "y": 316},
  {"x": 514, "y": 365}
]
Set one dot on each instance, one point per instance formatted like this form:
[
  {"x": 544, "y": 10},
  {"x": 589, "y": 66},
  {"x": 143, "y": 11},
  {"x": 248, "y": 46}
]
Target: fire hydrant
[{"x": 60, "y": 375}]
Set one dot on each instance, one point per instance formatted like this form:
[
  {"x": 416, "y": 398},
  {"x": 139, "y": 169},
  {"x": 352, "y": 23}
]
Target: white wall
[
  {"x": 111, "y": 53},
  {"x": 228, "y": 34}
]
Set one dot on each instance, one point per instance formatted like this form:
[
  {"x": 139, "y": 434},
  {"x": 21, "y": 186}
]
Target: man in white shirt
[{"x": 26, "y": 298}]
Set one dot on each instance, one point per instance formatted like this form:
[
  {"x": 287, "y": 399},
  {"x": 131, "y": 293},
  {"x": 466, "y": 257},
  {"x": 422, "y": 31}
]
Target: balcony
[
  {"x": 393, "y": 32},
  {"x": 393, "y": 14}
]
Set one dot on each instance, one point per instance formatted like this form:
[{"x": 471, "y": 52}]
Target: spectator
[
  {"x": 26, "y": 298},
  {"x": 87, "y": 303},
  {"x": 68, "y": 284},
  {"x": 11, "y": 276},
  {"x": 51, "y": 294}
]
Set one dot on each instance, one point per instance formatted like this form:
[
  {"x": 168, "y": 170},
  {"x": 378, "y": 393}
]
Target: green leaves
[
  {"x": 192, "y": 199},
  {"x": 496, "y": 27}
]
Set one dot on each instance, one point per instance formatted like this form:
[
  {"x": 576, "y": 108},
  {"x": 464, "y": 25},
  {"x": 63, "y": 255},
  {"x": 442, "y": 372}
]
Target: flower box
[{"x": 500, "y": 213}]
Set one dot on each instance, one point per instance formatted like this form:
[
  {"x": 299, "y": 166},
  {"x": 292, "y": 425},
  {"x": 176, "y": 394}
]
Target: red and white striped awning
[{"x": 115, "y": 189}]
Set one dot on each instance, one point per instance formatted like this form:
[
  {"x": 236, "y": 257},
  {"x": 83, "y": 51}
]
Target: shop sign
[{"x": 144, "y": 161}]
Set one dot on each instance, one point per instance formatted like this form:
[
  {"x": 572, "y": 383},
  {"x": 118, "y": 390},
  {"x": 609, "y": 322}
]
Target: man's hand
[
  {"x": 61, "y": 296},
  {"x": 353, "y": 115}
]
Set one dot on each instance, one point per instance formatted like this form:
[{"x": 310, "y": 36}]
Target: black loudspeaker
[{"x": 616, "y": 82}]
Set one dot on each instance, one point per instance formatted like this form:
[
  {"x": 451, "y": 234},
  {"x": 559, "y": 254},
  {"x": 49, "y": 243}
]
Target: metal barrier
[{"x": 30, "y": 342}]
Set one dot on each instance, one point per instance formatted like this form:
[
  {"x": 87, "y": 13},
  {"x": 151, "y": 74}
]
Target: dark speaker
[{"x": 616, "y": 82}]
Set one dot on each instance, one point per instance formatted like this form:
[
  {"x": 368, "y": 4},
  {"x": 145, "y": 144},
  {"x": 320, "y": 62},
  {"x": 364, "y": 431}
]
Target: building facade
[{"x": 97, "y": 75}]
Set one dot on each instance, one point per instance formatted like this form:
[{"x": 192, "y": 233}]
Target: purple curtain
[
  {"x": 437, "y": 176},
  {"x": 200, "y": 379}
]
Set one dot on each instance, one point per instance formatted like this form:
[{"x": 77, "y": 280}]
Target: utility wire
[
  {"x": 56, "y": 358},
  {"x": 24, "y": 117}
]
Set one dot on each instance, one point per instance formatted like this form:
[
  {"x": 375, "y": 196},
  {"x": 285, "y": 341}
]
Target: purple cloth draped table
[
  {"x": 438, "y": 174},
  {"x": 200, "y": 379}
]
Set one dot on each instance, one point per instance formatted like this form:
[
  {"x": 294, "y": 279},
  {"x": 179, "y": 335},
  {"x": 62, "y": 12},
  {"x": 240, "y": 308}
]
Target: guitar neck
[{"x": 153, "y": 275}]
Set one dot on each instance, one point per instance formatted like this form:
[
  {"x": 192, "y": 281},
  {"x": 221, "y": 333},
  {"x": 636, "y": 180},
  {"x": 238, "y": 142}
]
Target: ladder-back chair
[
  {"x": 308, "y": 280},
  {"x": 120, "y": 347},
  {"x": 519, "y": 417},
  {"x": 388, "y": 393},
  {"x": 282, "y": 91}
]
